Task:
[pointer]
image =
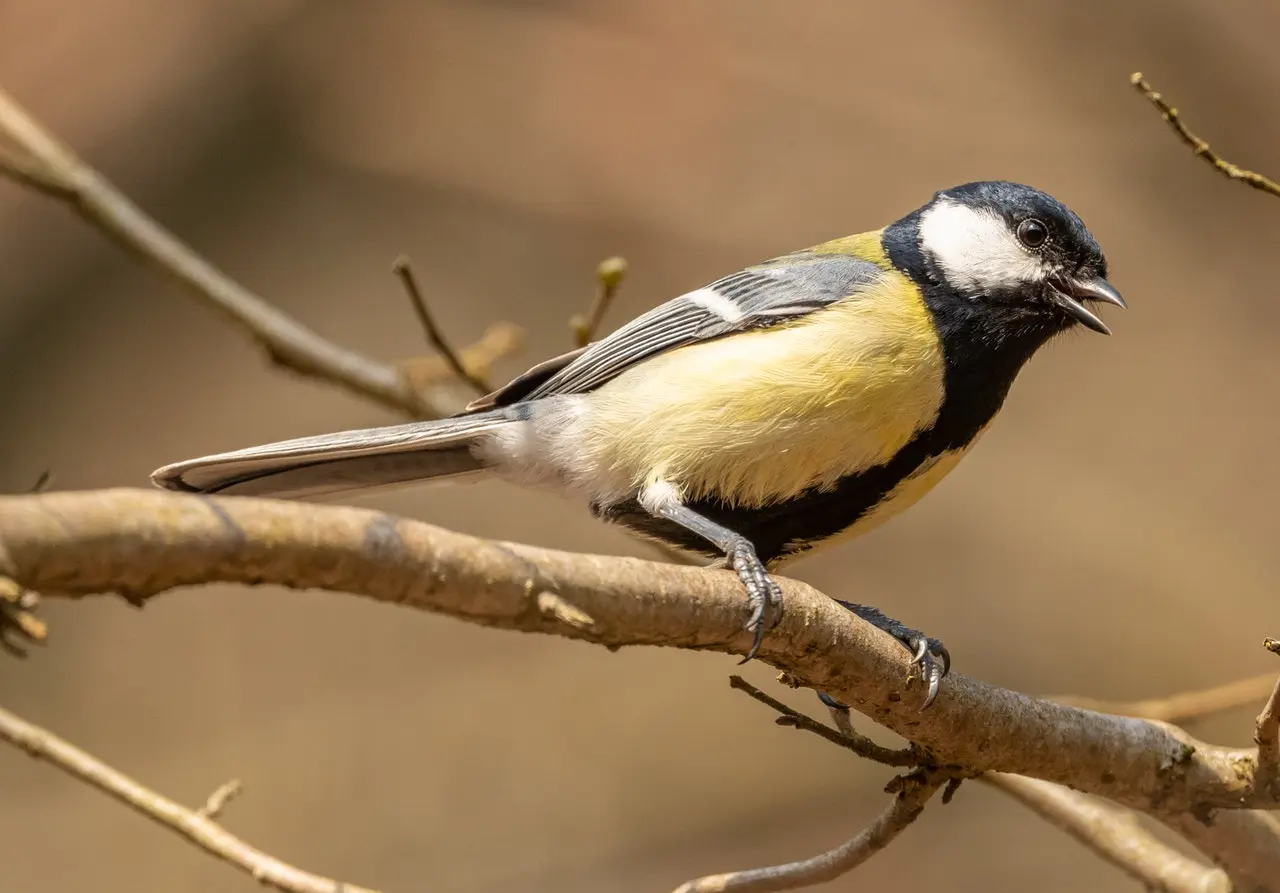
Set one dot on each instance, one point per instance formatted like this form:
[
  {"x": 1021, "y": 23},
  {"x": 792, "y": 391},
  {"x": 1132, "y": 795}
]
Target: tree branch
[
  {"x": 197, "y": 826},
  {"x": 910, "y": 795},
  {"x": 141, "y": 543},
  {"x": 1199, "y": 146},
  {"x": 1113, "y": 833},
  {"x": 41, "y": 161}
]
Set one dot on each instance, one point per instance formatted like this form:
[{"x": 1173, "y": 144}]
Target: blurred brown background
[{"x": 1112, "y": 536}]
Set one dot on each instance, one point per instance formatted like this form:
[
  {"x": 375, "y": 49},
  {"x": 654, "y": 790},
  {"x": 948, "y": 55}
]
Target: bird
[{"x": 794, "y": 404}]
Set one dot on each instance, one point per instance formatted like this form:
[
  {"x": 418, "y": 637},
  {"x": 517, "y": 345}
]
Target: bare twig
[
  {"x": 1183, "y": 706},
  {"x": 191, "y": 824},
  {"x": 403, "y": 268},
  {"x": 609, "y": 276},
  {"x": 847, "y": 737},
  {"x": 219, "y": 799},
  {"x": 1267, "y": 733},
  {"x": 41, "y": 161},
  {"x": 909, "y": 800},
  {"x": 1111, "y": 832},
  {"x": 500, "y": 340},
  {"x": 1114, "y": 834},
  {"x": 1199, "y": 146}
]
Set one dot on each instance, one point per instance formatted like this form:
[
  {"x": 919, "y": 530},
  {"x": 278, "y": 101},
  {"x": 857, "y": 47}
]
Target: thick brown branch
[
  {"x": 43, "y": 162},
  {"x": 908, "y": 803},
  {"x": 1115, "y": 835},
  {"x": 141, "y": 543},
  {"x": 1199, "y": 146},
  {"x": 195, "y": 825}
]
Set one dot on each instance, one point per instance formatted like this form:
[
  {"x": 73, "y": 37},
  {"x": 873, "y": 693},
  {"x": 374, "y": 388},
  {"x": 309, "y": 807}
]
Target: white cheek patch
[{"x": 975, "y": 249}]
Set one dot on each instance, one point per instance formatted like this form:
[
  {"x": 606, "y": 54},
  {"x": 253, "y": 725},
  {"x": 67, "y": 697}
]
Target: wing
[{"x": 763, "y": 295}]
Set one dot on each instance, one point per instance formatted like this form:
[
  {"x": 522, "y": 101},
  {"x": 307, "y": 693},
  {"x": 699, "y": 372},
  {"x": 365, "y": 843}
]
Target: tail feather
[{"x": 333, "y": 463}]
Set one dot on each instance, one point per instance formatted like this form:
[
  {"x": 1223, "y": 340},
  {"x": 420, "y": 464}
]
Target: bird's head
[{"x": 1012, "y": 253}]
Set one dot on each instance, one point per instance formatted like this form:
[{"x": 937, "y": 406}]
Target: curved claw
[
  {"x": 922, "y": 652},
  {"x": 944, "y": 654},
  {"x": 755, "y": 643},
  {"x": 935, "y": 683},
  {"x": 931, "y": 669},
  {"x": 928, "y": 654},
  {"x": 763, "y": 594}
]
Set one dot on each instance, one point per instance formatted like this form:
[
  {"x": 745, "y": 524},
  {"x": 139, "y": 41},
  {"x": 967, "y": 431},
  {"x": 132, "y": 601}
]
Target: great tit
[{"x": 792, "y": 404}]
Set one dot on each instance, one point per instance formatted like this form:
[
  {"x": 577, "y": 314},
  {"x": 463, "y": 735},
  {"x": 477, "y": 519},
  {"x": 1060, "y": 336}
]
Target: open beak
[{"x": 1069, "y": 294}]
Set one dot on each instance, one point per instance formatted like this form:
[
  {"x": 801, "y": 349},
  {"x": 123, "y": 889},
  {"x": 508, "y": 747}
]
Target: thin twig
[
  {"x": 850, "y": 739},
  {"x": 43, "y": 162},
  {"x": 403, "y": 268},
  {"x": 609, "y": 275},
  {"x": 500, "y": 340},
  {"x": 1111, "y": 832},
  {"x": 1184, "y": 706},
  {"x": 189, "y": 823},
  {"x": 915, "y": 790},
  {"x": 1114, "y": 834},
  {"x": 219, "y": 799},
  {"x": 1267, "y": 735},
  {"x": 42, "y": 482},
  {"x": 1199, "y": 146}
]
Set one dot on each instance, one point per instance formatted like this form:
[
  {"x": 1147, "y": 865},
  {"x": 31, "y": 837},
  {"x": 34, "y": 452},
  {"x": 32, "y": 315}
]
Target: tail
[{"x": 349, "y": 460}]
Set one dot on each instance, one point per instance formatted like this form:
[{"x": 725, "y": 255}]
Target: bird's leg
[
  {"x": 927, "y": 653},
  {"x": 763, "y": 594}
]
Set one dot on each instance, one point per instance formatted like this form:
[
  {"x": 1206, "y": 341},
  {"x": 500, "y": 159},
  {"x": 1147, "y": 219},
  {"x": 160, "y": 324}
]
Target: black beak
[{"x": 1070, "y": 293}]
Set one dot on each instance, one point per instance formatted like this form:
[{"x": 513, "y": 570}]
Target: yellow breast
[{"x": 758, "y": 418}]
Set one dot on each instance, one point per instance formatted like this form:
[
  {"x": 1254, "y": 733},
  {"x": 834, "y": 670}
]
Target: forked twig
[
  {"x": 1199, "y": 146},
  {"x": 910, "y": 796},
  {"x": 850, "y": 740},
  {"x": 197, "y": 826},
  {"x": 36, "y": 158}
]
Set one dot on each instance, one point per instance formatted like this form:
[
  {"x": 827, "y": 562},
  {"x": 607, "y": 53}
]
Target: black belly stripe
[{"x": 787, "y": 528}]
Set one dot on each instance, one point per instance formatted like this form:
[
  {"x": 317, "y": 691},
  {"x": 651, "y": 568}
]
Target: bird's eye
[{"x": 1032, "y": 233}]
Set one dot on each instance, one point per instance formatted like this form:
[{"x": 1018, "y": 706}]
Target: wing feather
[{"x": 763, "y": 295}]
